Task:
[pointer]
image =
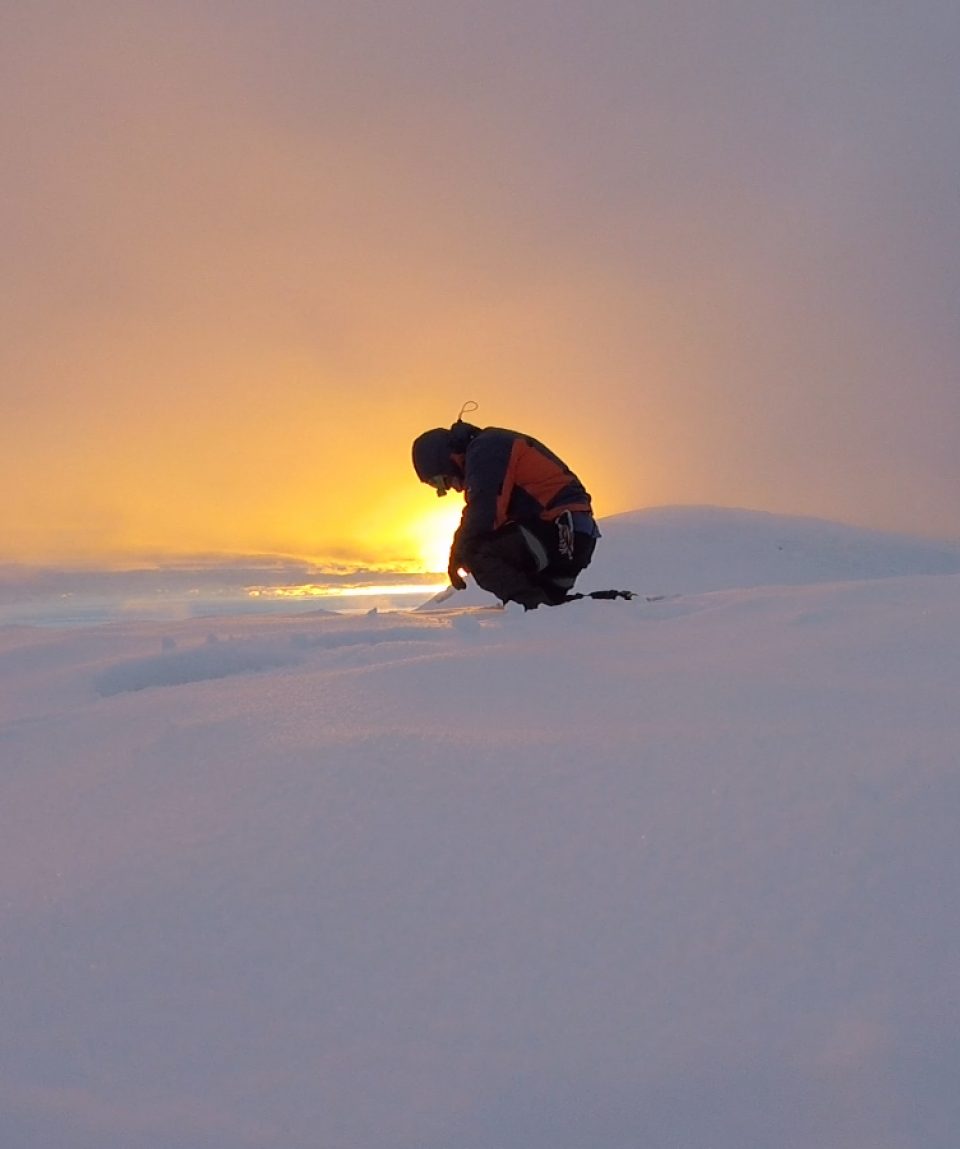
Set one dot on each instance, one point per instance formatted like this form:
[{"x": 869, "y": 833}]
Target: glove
[{"x": 454, "y": 575}]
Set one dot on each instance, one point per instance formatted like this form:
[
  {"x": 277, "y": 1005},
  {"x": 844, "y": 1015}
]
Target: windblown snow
[{"x": 668, "y": 874}]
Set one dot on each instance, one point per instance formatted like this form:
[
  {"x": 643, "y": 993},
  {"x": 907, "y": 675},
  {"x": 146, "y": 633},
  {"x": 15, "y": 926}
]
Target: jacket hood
[{"x": 433, "y": 451}]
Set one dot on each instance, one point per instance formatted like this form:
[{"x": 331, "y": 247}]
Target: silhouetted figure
[{"x": 527, "y": 529}]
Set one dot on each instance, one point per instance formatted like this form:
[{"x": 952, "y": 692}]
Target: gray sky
[{"x": 708, "y": 252}]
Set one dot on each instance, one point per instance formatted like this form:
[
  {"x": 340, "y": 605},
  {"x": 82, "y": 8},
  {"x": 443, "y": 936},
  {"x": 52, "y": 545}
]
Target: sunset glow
[
  {"x": 433, "y": 530},
  {"x": 620, "y": 233},
  {"x": 352, "y": 590}
]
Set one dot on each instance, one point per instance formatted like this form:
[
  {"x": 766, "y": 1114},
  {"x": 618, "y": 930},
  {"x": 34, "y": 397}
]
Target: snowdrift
[
  {"x": 618, "y": 874},
  {"x": 685, "y": 549}
]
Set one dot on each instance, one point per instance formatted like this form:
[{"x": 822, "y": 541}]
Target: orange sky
[{"x": 250, "y": 255}]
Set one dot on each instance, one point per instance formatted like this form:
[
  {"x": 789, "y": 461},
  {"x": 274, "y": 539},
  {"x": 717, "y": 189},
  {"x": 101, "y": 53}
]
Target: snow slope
[
  {"x": 679, "y": 874},
  {"x": 716, "y": 548}
]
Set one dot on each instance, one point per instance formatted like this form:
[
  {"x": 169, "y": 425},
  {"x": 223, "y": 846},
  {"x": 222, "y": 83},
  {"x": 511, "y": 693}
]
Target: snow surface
[{"x": 613, "y": 876}]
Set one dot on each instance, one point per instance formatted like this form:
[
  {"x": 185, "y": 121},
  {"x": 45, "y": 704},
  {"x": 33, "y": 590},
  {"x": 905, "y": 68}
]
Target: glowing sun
[{"x": 433, "y": 531}]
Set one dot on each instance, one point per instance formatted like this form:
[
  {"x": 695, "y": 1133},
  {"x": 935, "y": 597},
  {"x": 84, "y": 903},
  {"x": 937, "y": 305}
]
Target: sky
[{"x": 708, "y": 253}]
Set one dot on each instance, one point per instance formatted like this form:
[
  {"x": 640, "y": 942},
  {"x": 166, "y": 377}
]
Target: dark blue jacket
[{"x": 510, "y": 477}]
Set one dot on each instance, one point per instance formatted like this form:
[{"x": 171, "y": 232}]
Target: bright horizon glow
[
  {"x": 432, "y": 533},
  {"x": 409, "y": 533},
  {"x": 355, "y": 590}
]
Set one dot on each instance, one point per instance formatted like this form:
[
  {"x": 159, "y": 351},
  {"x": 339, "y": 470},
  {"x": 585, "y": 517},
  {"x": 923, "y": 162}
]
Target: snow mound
[{"x": 694, "y": 549}]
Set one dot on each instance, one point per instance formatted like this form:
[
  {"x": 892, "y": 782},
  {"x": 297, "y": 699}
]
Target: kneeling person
[{"x": 527, "y": 529}]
